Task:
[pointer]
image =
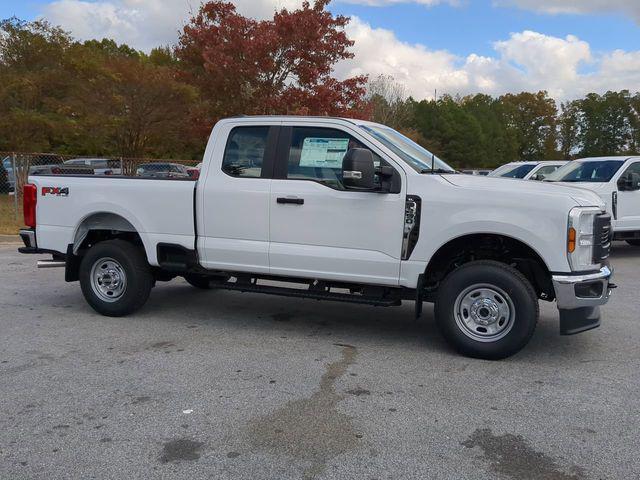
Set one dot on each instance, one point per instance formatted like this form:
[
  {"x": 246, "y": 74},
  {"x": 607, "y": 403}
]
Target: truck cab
[{"x": 334, "y": 209}]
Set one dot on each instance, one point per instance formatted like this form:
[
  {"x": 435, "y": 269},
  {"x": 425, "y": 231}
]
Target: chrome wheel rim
[
  {"x": 108, "y": 279},
  {"x": 484, "y": 312}
]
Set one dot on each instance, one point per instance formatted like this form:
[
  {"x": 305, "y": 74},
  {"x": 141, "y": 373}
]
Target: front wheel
[
  {"x": 486, "y": 309},
  {"x": 115, "y": 278}
]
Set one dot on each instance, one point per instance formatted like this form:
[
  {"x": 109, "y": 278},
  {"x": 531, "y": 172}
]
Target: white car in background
[
  {"x": 617, "y": 181},
  {"x": 528, "y": 170}
]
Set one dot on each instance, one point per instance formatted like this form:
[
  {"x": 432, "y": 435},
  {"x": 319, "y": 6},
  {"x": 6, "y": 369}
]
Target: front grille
[{"x": 602, "y": 238}]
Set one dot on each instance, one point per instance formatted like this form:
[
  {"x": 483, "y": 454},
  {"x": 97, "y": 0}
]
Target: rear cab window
[{"x": 245, "y": 151}]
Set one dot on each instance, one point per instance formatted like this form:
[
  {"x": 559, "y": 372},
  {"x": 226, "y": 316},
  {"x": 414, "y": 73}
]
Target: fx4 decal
[{"x": 57, "y": 191}]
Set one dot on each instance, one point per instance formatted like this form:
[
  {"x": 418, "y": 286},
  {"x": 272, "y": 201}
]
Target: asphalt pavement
[{"x": 229, "y": 385}]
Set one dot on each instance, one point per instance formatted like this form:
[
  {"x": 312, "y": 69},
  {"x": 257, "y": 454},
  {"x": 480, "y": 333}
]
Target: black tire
[
  {"x": 510, "y": 287},
  {"x": 635, "y": 243},
  {"x": 138, "y": 278},
  {"x": 204, "y": 281}
]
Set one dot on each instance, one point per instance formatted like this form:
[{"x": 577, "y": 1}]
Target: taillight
[
  {"x": 56, "y": 171},
  {"x": 29, "y": 200}
]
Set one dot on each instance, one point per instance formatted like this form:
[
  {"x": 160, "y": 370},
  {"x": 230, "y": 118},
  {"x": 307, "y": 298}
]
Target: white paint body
[{"x": 337, "y": 235}]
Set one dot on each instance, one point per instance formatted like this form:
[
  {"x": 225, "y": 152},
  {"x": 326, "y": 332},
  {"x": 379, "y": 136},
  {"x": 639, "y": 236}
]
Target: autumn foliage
[{"x": 277, "y": 66}]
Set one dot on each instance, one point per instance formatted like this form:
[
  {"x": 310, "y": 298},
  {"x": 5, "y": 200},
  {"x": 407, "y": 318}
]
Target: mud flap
[{"x": 579, "y": 320}]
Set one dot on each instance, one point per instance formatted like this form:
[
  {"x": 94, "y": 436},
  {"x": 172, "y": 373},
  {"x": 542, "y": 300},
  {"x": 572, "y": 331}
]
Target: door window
[
  {"x": 244, "y": 153},
  {"x": 316, "y": 154},
  {"x": 633, "y": 168}
]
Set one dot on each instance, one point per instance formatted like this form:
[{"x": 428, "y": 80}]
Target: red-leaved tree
[{"x": 279, "y": 66}]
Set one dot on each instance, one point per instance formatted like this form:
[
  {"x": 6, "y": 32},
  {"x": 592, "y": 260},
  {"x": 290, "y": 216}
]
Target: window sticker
[{"x": 323, "y": 152}]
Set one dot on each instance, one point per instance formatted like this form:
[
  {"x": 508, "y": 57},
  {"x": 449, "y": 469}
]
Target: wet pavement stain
[
  {"x": 510, "y": 455},
  {"x": 181, "y": 449},
  {"x": 310, "y": 429}
]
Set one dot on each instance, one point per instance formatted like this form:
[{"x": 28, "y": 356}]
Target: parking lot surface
[{"x": 219, "y": 384}]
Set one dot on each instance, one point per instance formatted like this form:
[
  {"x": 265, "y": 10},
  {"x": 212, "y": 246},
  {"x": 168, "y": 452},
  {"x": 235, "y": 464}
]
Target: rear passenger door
[
  {"x": 234, "y": 201},
  {"x": 318, "y": 228}
]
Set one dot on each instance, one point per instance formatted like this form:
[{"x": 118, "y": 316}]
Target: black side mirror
[
  {"x": 629, "y": 182},
  {"x": 358, "y": 170}
]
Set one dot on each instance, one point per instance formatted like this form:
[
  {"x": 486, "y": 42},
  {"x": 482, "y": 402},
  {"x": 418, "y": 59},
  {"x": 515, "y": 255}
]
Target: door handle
[{"x": 293, "y": 201}]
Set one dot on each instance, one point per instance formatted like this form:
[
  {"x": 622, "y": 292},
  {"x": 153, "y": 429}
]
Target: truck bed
[{"x": 160, "y": 210}]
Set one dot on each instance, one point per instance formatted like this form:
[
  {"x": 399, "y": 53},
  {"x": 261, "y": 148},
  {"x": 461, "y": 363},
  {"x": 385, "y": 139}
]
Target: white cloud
[
  {"x": 141, "y": 23},
  {"x": 525, "y": 61},
  {"x": 631, "y": 7}
]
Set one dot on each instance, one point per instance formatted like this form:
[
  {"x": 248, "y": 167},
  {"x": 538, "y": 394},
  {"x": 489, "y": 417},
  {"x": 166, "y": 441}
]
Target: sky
[{"x": 567, "y": 47}]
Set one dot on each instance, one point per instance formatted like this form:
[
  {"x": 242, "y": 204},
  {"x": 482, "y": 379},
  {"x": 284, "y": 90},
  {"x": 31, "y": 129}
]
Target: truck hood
[{"x": 583, "y": 197}]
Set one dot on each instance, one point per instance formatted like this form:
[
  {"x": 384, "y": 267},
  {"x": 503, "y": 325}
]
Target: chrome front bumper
[
  {"x": 577, "y": 291},
  {"x": 579, "y": 298}
]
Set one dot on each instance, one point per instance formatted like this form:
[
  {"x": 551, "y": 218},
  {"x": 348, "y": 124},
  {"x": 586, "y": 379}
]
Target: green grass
[{"x": 9, "y": 225}]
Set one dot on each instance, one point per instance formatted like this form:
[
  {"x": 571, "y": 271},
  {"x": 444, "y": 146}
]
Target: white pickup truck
[
  {"x": 334, "y": 209},
  {"x": 617, "y": 181}
]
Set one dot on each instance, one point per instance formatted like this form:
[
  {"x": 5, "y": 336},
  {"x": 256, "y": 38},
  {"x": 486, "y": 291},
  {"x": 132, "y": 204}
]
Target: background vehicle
[
  {"x": 51, "y": 164},
  {"x": 7, "y": 165},
  {"x": 528, "y": 170},
  {"x": 617, "y": 181},
  {"x": 482, "y": 173},
  {"x": 4, "y": 180},
  {"x": 100, "y": 166},
  {"x": 162, "y": 170},
  {"x": 341, "y": 210}
]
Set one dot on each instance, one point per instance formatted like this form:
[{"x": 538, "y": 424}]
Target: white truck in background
[
  {"x": 616, "y": 180},
  {"x": 342, "y": 210}
]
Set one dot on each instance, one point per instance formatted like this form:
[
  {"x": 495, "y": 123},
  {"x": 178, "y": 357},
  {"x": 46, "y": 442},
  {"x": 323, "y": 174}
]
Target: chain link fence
[{"x": 16, "y": 167}]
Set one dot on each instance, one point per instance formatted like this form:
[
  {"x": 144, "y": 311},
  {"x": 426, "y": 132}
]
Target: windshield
[
  {"x": 513, "y": 170},
  {"x": 416, "y": 156},
  {"x": 600, "y": 171}
]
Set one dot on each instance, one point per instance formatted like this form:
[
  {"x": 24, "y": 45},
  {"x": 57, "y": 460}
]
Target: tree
[
  {"x": 388, "y": 102},
  {"x": 532, "y": 118},
  {"x": 278, "y": 66},
  {"x": 605, "y": 123},
  {"x": 569, "y": 129}
]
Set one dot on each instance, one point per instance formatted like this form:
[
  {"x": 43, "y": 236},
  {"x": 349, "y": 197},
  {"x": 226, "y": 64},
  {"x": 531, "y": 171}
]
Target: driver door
[{"x": 318, "y": 228}]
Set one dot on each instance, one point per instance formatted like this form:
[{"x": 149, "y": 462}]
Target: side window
[
  {"x": 633, "y": 168},
  {"x": 317, "y": 153},
  {"x": 547, "y": 170},
  {"x": 244, "y": 153}
]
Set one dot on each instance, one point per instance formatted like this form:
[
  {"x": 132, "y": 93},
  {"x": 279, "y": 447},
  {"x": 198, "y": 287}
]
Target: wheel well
[
  {"x": 485, "y": 246},
  {"x": 94, "y": 229},
  {"x": 104, "y": 226}
]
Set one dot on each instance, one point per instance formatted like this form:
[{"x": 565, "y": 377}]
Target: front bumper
[{"x": 579, "y": 298}]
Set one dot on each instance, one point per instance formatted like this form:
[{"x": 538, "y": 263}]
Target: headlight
[{"x": 580, "y": 238}]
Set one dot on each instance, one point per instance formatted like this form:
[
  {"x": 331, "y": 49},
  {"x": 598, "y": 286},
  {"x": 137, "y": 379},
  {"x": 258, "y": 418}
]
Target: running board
[{"x": 302, "y": 293}]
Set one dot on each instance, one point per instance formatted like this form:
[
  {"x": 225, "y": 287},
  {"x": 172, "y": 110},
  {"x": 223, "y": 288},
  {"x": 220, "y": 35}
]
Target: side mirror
[
  {"x": 539, "y": 177},
  {"x": 629, "y": 182},
  {"x": 358, "y": 170}
]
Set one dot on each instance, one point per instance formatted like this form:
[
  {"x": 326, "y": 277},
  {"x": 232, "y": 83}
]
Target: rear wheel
[
  {"x": 635, "y": 243},
  {"x": 486, "y": 309},
  {"x": 115, "y": 278}
]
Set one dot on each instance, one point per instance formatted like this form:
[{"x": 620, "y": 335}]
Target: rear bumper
[
  {"x": 579, "y": 298},
  {"x": 28, "y": 236}
]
